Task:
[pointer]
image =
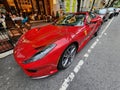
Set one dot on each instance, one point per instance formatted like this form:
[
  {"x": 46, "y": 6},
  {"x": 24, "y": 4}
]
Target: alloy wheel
[{"x": 67, "y": 57}]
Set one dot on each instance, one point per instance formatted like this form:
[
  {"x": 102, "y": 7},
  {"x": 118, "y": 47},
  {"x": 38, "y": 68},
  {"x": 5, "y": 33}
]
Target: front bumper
[
  {"x": 40, "y": 68},
  {"x": 43, "y": 67},
  {"x": 39, "y": 71}
]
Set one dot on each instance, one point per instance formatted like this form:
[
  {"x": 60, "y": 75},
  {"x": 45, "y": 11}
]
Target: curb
[{"x": 2, "y": 55}]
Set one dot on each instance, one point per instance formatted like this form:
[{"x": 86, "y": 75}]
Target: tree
[
  {"x": 117, "y": 3},
  {"x": 107, "y": 3},
  {"x": 112, "y": 3}
]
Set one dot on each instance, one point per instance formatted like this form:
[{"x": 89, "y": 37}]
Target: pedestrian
[{"x": 25, "y": 18}]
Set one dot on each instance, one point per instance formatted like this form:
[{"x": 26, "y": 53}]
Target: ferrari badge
[{"x": 85, "y": 32}]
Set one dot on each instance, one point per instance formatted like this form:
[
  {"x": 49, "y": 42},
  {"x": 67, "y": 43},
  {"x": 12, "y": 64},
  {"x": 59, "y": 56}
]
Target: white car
[
  {"x": 112, "y": 10},
  {"x": 117, "y": 11},
  {"x": 104, "y": 14}
]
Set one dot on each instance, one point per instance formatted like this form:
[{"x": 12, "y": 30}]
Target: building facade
[
  {"x": 39, "y": 6},
  {"x": 70, "y": 5},
  {"x": 86, "y": 5},
  {"x": 47, "y": 7},
  {"x": 50, "y": 7}
]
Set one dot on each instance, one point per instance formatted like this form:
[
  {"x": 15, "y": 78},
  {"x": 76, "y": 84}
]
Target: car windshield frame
[{"x": 71, "y": 20}]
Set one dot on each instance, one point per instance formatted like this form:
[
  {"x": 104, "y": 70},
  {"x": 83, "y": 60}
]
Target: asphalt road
[{"x": 96, "y": 67}]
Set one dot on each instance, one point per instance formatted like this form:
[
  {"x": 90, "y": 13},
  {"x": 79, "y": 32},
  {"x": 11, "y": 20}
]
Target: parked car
[
  {"x": 43, "y": 51},
  {"x": 117, "y": 10},
  {"x": 104, "y": 14},
  {"x": 113, "y": 11}
]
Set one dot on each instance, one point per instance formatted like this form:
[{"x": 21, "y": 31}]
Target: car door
[
  {"x": 79, "y": 32},
  {"x": 91, "y": 25},
  {"x": 86, "y": 31},
  {"x": 83, "y": 32}
]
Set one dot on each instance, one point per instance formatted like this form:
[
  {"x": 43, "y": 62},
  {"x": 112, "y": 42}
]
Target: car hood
[{"x": 37, "y": 39}]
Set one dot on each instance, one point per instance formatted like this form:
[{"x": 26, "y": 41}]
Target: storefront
[
  {"x": 46, "y": 7},
  {"x": 10, "y": 36},
  {"x": 30, "y": 6},
  {"x": 2, "y": 8}
]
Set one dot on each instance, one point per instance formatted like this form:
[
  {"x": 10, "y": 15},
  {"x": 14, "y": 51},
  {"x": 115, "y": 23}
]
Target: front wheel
[{"x": 67, "y": 57}]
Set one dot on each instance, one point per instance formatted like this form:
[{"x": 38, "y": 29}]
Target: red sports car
[{"x": 43, "y": 51}]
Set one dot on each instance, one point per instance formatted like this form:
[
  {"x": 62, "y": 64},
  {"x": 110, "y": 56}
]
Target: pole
[
  {"x": 92, "y": 5},
  {"x": 38, "y": 7},
  {"x": 32, "y": 6},
  {"x": 82, "y": 5},
  {"x": 78, "y": 5},
  {"x": 17, "y": 7}
]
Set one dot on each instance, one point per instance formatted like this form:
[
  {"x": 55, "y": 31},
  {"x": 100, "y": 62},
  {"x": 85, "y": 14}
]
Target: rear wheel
[{"x": 67, "y": 57}]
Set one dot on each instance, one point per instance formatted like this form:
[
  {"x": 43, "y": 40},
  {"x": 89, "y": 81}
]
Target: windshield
[
  {"x": 71, "y": 20},
  {"x": 111, "y": 9},
  {"x": 102, "y": 11}
]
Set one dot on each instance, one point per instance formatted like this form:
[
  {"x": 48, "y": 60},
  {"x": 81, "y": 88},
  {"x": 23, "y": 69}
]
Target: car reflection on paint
[{"x": 43, "y": 51}]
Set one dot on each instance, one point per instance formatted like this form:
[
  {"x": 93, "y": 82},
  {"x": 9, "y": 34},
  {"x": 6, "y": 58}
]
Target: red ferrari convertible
[{"x": 43, "y": 51}]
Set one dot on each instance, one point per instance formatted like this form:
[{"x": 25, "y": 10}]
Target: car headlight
[{"x": 40, "y": 54}]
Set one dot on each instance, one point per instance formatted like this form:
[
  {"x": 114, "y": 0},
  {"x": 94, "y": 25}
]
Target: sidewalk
[{"x": 34, "y": 25}]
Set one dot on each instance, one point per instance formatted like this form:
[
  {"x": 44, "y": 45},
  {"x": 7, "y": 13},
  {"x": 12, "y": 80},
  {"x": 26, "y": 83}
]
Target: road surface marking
[
  {"x": 89, "y": 51},
  {"x": 86, "y": 55},
  {"x": 67, "y": 81},
  {"x": 97, "y": 40},
  {"x": 106, "y": 28},
  {"x": 71, "y": 76},
  {"x": 94, "y": 44},
  {"x": 105, "y": 34},
  {"x": 77, "y": 68}
]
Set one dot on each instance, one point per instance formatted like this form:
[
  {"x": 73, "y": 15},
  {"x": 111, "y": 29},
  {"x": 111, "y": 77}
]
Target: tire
[
  {"x": 111, "y": 16},
  {"x": 67, "y": 57}
]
